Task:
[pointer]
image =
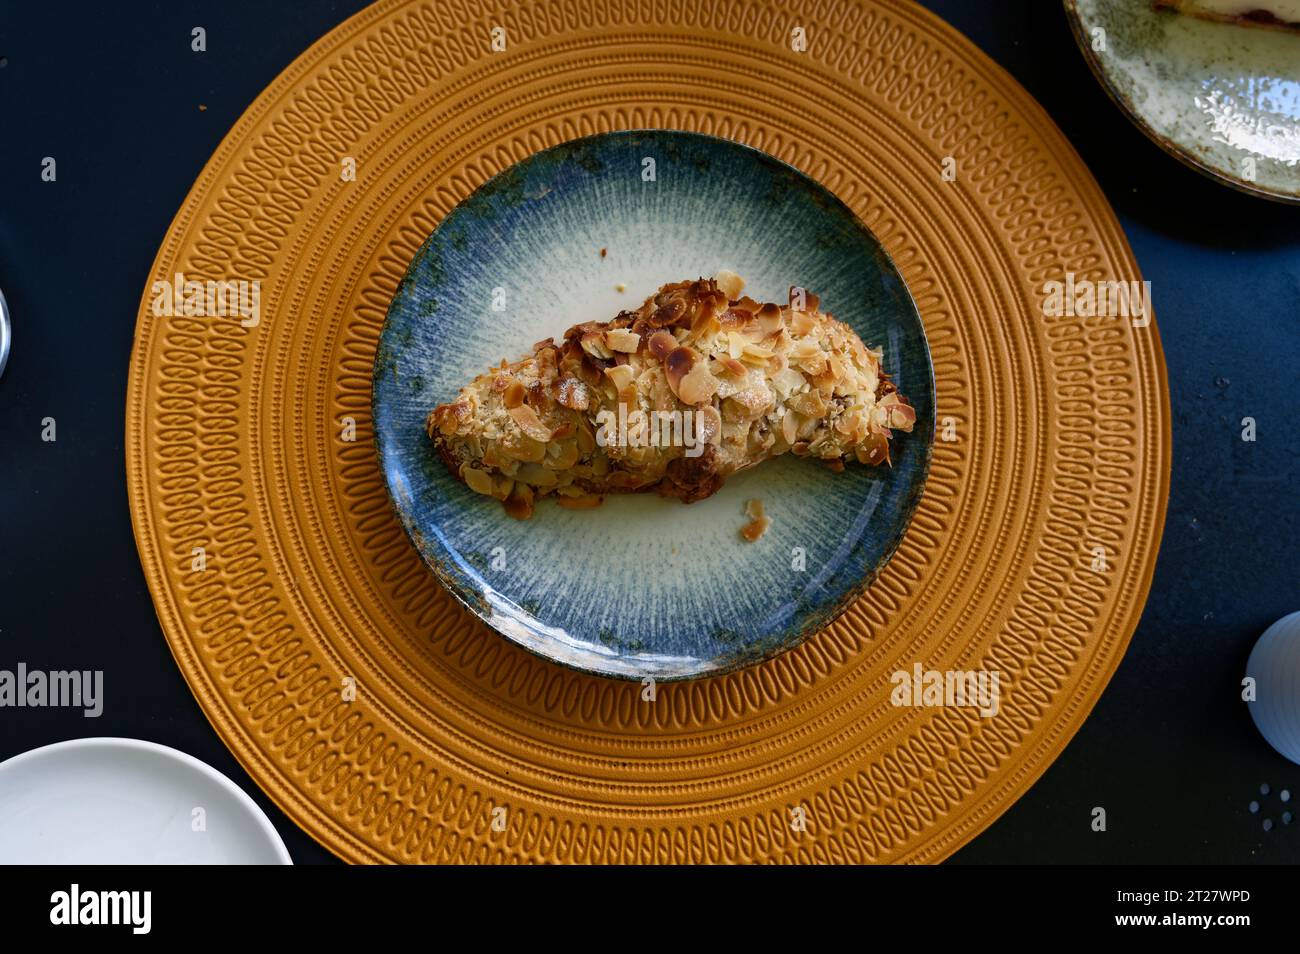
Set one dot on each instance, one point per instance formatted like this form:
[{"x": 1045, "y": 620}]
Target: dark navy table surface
[{"x": 114, "y": 93}]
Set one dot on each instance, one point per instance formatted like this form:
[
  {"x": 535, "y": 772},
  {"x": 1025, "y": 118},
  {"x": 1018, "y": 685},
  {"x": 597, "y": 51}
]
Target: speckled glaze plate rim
[
  {"x": 804, "y": 624},
  {"x": 1177, "y": 150}
]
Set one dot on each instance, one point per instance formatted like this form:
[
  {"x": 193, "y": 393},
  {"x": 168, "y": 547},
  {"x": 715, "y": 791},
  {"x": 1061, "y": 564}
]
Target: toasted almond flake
[
  {"x": 565, "y": 455},
  {"x": 749, "y": 403},
  {"x": 803, "y": 322},
  {"x": 662, "y": 344},
  {"x": 788, "y": 381},
  {"x": 620, "y": 375},
  {"x": 790, "y": 426},
  {"x": 620, "y": 339},
  {"x": 572, "y": 394},
  {"x": 769, "y": 319},
  {"x": 518, "y": 446},
  {"x": 732, "y": 366},
  {"x": 477, "y": 480},
  {"x": 754, "y": 508},
  {"x": 902, "y": 417},
  {"x": 708, "y": 424},
  {"x": 697, "y": 385},
  {"x": 530, "y": 423},
  {"x": 874, "y": 450},
  {"x": 537, "y": 475},
  {"x": 679, "y": 363},
  {"x": 810, "y": 404},
  {"x": 579, "y": 503},
  {"x": 729, "y": 283},
  {"x": 520, "y": 502},
  {"x": 593, "y": 342},
  {"x": 514, "y": 395}
]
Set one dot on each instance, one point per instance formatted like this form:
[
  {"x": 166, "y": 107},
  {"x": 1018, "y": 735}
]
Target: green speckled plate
[{"x": 1223, "y": 98}]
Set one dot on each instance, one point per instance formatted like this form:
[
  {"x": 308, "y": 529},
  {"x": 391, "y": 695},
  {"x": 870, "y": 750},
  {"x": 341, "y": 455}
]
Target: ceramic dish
[
  {"x": 644, "y": 586},
  {"x": 125, "y": 801},
  {"x": 1223, "y": 98}
]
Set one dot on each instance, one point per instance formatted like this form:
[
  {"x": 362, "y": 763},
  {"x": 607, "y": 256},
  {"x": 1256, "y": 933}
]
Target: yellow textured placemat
[{"x": 392, "y": 725}]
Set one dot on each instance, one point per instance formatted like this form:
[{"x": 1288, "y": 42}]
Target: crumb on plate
[{"x": 758, "y": 521}]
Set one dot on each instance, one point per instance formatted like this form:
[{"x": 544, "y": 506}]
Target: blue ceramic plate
[{"x": 645, "y": 586}]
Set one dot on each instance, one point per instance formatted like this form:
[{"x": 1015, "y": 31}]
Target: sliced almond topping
[
  {"x": 514, "y": 395},
  {"x": 448, "y": 418},
  {"x": 620, "y": 339},
  {"x": 579, "y": 503},
  {"x": 814, "y": 364},
  {"x": 810, "y": 404},
  {"x": 572, "y": 394},
  {"x": 561, "y": 455},
  {"x": 769, "y": 319},
  {"x": 697, "y": 386},
  {"x": 874, "y": 450},
  {"x": 902, "y": 417},
  {"x": 732, "y": 366},
  {"x": 537, "y": 475},
  {"x": 519, "y": 446},
  {"x": 749, "y": 403},
  {"x": 593, "y": 342},
  {"x": 679, "y": 362},
  {"x": 790, "y": 426},
  {"x": 729, "y": 283},
  {"x": 477, "y": 480},
  {"x": 708, "y": 424},
  {"x": 530, "y": 423},
  {"x": 788, "y": 381},
  {"x": 621, "y": 375},
  {"x": 803, "y": 322},
  {"x": 661, "y": 344},
  {"x": 520, "y": 502}
]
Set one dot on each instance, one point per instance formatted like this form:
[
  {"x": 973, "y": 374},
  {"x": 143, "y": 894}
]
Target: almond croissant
[{"x": 696, "y": 384}]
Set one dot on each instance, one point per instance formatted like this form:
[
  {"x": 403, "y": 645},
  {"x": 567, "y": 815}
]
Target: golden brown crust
[{"x": 693, "y": 386}]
